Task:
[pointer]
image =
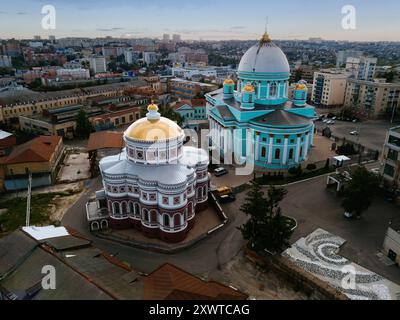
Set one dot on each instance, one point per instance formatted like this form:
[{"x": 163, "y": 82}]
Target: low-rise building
[
  {"x": 375, "y": 98},
  {"x": 7, "y": 141},
  {"x": 195, "y": 109},
  {"x": 39, "y": 156},
  {"x": 186, "y": 89}
]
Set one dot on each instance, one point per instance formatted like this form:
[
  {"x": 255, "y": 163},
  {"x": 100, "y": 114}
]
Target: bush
[
  {"x": 296, "y": 171},
  {"x": 311, "y": 167}
]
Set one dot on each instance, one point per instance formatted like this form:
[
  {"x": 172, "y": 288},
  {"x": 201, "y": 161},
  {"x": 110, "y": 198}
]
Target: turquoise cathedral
[{"x": 255, "y": 121}]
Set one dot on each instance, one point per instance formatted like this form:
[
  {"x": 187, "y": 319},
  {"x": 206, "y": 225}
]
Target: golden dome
[
  {"x": 152, "y": 107},
  {"x": 301, "y": 86},
  {"x": 229, "y": 81},
  {"x": 265, "y": 38},
  {"x": 153, "y": 127},
  {"x": 248, "y": 88}
]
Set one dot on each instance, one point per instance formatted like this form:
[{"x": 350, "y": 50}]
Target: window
[
  {"x": 394, "y": 140},
  {"x": 277, "y": 154},
  {"x": 166, "y": 220},
  {"x": 291, "y": 154},
  {"x": 131, "y": 207},
  {"x": 116, "y": 208},
  {"x": 146, "y": 216},
  {"x": 389, "y": 170},
  {"x": 263, "y": 152},
  {"x": 177, "y": 200},
  {"x": 393, "y": 155}
]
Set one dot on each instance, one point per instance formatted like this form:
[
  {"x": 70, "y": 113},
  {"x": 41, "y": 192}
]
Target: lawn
[{"x": 14, "y": 218}]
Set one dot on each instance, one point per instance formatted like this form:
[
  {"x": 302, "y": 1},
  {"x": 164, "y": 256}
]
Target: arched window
[
  {"x": 131, "y": 207},
  {"x": 301, "y": 151},
  {"x": 166, "y": 220},
  {"x": 117, "y": 209},
  {"x": 291, "y": 154},
  {"x": 123, "y": 205},
  {"x": 137, "y": 209},
  {"x": 190, "y": 208},
  {"x": 146, "y": 216},
  {"x": 277, "y": 154},
  {"x": 263, "y": 152}
]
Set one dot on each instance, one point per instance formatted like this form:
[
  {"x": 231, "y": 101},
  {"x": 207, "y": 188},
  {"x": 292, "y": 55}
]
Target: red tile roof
[
  {"x": 40, "y": 149},
  {"x": 199, "y": 103},
  {"x": 105, "y": 139},
  {"x": 172, "y": 283}
]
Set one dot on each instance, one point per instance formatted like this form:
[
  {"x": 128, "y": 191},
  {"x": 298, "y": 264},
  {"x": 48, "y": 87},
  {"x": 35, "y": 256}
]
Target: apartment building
[
  {"x": 329, "y": 88},
  {"x": 390, "y": 168},
  {"x": 185, "y": 89},
  {"x": 362, "y": 68},
  {"x": 375, "y": 98}
]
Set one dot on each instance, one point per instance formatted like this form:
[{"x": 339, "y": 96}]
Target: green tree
[
  {"x": 360, "y": 191},
  {"x": 170, "y": 113},
  {"x": 267, "y": 228},
  {"x": 83, "y": 125}
]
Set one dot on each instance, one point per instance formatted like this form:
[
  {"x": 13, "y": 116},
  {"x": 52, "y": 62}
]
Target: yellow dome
[
  {"x": 152, "y": 107},
  {"x": 248, "y": 88},
  {"x": 153, "y": 130},
  {"x": 301, "y": 86},
  {"x": 229, "y": 81}
]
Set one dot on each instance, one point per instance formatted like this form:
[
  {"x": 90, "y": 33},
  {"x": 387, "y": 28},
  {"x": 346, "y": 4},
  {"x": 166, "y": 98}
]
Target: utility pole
[{"x": 28, "y": 200}]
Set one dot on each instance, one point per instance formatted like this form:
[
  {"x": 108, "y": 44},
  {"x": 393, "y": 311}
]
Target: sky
[{"x": 203, "y": 19}]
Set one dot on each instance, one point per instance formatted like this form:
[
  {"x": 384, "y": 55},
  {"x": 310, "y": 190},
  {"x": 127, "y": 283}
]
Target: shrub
[
  {"x": 311, "y": 167},
  {"x": 296, "y": 171}
]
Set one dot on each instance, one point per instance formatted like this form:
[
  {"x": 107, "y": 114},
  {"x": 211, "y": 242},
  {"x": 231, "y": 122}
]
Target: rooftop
[
  {"x": 39, "y": 149},
  {"x": 105, "y": 139}
]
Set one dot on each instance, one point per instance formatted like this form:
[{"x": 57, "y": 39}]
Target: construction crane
[{"x": 28, "y": 200}]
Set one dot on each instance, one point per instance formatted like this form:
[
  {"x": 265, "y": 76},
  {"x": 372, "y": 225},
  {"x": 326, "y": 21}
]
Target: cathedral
[
  {"x": 254, "y": 120},
  {"x": 156, "y": 185}
]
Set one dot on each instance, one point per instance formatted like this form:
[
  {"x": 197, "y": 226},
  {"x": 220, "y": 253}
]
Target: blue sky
[{"x": 203, "y": 19}]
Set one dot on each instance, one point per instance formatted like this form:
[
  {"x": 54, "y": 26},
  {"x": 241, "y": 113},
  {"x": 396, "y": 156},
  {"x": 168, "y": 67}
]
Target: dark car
[
  {"x": 220, "y": 172},
  {"x": 227, "y": 198}
]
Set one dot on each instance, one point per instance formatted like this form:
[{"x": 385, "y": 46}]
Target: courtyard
[{"x": 314, "y": 207}]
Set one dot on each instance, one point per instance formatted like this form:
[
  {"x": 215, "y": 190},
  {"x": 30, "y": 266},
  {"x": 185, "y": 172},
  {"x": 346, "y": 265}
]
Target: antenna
[{"x": 266, "y": 24}]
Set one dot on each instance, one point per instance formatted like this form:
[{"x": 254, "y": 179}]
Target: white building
[
  {"x": 329, "y": 87},
  {"x": 98, "y": 64},
  {"x": 149, "y": 57},
  {"x": 130, "y": 57},
  {"x": 176, "y": 38},
  {"x": 362, "y": 68},
  {"x": 73, "y": 74}
]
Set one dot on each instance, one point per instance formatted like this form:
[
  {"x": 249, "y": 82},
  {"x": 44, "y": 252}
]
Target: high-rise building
[
  {"x": 176, "y": 38},
  {"x": 36, "y": 37},
  {"x": 374, "y": 98},
  {"x": 130, "y": 57},
  {"x": 52, "y": 38},
  {"x": 329, "y": 88},
  {"x": 166, "y": 37},
  {"x": 5, "y": 61},
  {"x": 149, "y": 57},
  {"x": 390, "y": 168},
  {"x": 98, "y": 64},
  {"x": 362, "y": 68}
]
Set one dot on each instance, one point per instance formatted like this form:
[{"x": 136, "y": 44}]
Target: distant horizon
[{"x": 224, "y": 20}]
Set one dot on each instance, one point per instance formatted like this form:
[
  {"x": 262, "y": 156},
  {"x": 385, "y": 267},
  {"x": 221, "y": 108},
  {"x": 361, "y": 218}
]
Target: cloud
[
  {"x": 238, "y": 27},
  {"x": 21, "y": 13},
  {"x": 109, "y": 29}
]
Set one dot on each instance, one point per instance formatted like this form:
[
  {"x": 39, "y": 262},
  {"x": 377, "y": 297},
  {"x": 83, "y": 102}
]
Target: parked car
[
  {"x": 354, "y": 133},
  {"x": 348, "y": 215},
  {"x": 376, "y": 171},
  {"x": 222, "y": 191},
  {"x": 227, "y": 198},
  {"x": 325, "y": 120},
  {"x": 220, "y": 172},
  {"x": 330, "y": 122}
]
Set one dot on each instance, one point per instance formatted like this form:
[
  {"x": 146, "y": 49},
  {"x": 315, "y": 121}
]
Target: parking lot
[{"x": 372, "y": 133}]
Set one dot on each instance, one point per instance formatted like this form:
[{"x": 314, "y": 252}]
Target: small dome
[
  {"x": 153, "y": 127},
  {"x": 301, "y": 86},
  {"x": 248, "y": 88},
  {"x": 264, "y": 57},
  {"x": 229, "y": 82}
]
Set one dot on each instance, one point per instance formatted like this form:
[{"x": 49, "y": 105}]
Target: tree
[
  {"x": 83, "y": 125},
  {"x": 169, "y": 113},
  {"x": 267, "y": 228},
  {"x": 360, "y": 192}
]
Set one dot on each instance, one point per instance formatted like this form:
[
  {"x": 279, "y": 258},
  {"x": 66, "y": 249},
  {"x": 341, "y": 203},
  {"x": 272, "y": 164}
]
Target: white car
[
  {"x": 325, "y": 120},
  {"x": 331, "y": 122},
  {"x": 354, "y": 133}
]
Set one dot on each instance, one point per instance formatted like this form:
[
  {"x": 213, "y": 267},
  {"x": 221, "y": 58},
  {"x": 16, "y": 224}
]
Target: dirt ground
[
  {"x": 61, "y": 204},
  {"x": 76, "y": 167},
  {"x": 243, "y": 275}
]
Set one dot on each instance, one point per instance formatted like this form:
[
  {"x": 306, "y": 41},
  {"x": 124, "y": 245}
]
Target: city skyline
[{"x": 288, "y": 20}]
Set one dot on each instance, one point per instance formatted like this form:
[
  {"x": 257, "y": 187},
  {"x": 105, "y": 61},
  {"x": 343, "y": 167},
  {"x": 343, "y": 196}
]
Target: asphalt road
[
  {"x": 372, "y": 133},
  {"x": 218, "y": 248}
]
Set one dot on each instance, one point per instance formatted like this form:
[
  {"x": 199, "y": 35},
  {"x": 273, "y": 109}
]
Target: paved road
[
  {"x": 219, "y": 248},
  {"x": 372, "y": 132}
]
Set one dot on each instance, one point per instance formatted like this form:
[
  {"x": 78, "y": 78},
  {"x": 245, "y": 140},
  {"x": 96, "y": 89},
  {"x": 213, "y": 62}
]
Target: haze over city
[{"x": 225, "y": 20}]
